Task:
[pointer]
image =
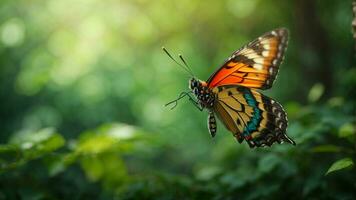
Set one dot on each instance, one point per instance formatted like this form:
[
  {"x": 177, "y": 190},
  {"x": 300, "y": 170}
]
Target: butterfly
[{"x": 231, "y": 92}]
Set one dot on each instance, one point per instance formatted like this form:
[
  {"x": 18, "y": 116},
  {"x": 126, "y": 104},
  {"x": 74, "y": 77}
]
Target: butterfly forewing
[{"x": 256, "y": 64}]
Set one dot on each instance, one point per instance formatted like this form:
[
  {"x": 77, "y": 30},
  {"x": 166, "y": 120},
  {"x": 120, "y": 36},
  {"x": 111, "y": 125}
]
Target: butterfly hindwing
[
  {"x": 256, "y": 64},
  {"x": 251, "y": 116}
]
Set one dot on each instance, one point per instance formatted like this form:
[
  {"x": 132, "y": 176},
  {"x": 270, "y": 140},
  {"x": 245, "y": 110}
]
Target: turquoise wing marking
[{"x": 255, "y": 120}]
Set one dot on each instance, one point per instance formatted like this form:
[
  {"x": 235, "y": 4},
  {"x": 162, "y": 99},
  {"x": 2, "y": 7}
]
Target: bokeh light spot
[
  {"x": 241, "y": 8},
  {"x": 13, "y": 32}
]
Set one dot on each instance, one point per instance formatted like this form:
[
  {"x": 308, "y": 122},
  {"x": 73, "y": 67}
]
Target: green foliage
[
  {"x": 27, "y": 146},
  {"x": 315, "y": 92},
  {"x": 83, "y": 86},
  {"x": 340, "y": 164}
]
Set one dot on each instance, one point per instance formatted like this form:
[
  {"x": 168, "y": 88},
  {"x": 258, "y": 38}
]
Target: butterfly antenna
[
  {"x": 169, "y": 55},
  {"x": 186, "y": 65}
]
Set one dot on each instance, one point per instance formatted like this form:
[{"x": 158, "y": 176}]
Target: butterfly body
[
  {"x": 231, "y": 93},
  {"x": 202, "y": 92},
  {"x": 206, "y": 99}
]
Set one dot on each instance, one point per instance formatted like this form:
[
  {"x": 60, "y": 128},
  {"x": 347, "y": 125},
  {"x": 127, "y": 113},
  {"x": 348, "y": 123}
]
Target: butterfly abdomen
[{"x": 212, "y": 124}]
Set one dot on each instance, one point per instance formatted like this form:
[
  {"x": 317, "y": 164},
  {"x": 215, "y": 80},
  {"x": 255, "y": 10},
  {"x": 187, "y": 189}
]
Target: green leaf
[
  {"x": 110, "y": 167},
  {"x": 54, "y": 142},
  {"x": 346, "y": 130},
  {"x": 326, "y": 149},
  {"x": 336, "y": 101},
  {"x": 340, "y": 164},
  {"x": 315, "y": 92},
  {"x": 27, "y": 146},
  {"x": 108, "y": 138},
  {"x": 9, "y": 156},
  {"x": 96, "y": 144},
  {"x": 208, "y": 172},
  {"x": 42, "y": 142}
]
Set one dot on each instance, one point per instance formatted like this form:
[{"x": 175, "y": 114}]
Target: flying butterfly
[{"x": 231, "y": 92}]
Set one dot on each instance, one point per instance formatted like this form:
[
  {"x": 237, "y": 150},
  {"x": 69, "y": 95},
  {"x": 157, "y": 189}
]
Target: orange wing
[{"x": 256, "y": 64}]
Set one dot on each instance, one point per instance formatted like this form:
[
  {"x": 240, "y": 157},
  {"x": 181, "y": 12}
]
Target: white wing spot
[
  {"x": 274, "y": 62},
  {"x": 258, "y": 60},
  {"x": 266, "y": 46},
  {"x": 279, "y": 54},
  {"x": 265, "y": 53},
  {"x": 280, "y": 47},
  {"x": 274, "y": 33},
  {"x": 258, "y": 66},
  {"x": 249, "y": 52},
  {"x": 271, "y": 70}
]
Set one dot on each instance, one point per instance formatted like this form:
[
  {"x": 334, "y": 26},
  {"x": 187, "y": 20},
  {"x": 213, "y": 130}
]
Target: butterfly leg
[
  {"x": 196, "y": 104},
  {"x": 181, "y": 95},
  {"x": 212, "y": 124}
]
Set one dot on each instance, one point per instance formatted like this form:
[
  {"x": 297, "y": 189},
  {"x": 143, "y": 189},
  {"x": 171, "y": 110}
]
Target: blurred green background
[{"x": 83, "y": 86}]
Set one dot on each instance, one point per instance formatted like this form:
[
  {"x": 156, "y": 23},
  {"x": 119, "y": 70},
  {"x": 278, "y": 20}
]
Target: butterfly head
[
  {"x": 195, "y": 85},
  {"x": 202, "y": 92}
]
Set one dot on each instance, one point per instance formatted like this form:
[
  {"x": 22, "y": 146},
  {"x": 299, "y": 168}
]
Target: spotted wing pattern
[
  {"x": 256, "y": 64},
  {"x": 251, "y": 116}
]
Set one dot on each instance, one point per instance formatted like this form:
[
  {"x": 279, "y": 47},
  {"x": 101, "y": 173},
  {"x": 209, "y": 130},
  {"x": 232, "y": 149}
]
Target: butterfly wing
[
  {"x": 251, "y": 116},
  {"x": 256, "y": 64}
]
